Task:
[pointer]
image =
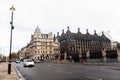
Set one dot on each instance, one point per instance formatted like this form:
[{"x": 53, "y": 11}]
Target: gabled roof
[{"x": 79, "y": 36}]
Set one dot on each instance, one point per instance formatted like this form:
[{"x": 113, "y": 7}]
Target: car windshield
[
  {"x": 29, "y": 61},
  {"x": 25, "y": 60},
  {"x": 17, "y": 60}
]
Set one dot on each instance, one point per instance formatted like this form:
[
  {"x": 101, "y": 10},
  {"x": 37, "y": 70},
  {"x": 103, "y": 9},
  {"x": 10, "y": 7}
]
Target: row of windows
[
  {"x": 37, "y": 47},
  {"x": 85, "y": 46},
  {"x": 42, "y": 43},
  {"x": 42, "y": 52},
  {"x": 42, "y": 36}
]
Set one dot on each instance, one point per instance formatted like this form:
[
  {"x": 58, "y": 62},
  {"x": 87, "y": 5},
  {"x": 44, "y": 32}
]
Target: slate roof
[{"x": 79, "y": 36}]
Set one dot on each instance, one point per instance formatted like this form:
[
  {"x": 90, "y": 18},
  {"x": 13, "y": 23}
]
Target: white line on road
[
  {"x": 48, "y": 65},
  {"x": 93, "y": 78},
  {"x": 47, "y": 68},
  {"x": 64, "y": 72}
]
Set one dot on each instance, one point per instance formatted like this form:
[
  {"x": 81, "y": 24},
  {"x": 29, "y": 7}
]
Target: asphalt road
[{"x": 52, "y": 71}]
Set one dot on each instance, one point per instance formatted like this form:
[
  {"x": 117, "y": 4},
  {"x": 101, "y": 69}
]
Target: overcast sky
[{"x": 55, "y": 15}]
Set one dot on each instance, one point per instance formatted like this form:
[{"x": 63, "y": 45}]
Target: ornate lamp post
[{"x": 12, "y": 27}]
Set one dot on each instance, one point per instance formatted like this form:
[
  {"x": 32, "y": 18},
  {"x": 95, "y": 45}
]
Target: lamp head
[{"x": 12, "y": 8}]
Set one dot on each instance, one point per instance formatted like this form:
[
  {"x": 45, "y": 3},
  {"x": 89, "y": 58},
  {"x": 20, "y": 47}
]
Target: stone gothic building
[{"x": 83, "y": 45}]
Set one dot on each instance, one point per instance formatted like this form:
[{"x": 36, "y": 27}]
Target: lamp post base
[{"x": 9, "y": 68}]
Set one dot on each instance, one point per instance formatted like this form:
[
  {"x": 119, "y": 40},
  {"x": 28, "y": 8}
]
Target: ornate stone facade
[{"x": 41, "y": 45}]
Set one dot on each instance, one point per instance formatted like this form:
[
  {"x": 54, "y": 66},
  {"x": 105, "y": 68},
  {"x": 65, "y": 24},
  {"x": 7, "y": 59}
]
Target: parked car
[
  {"x": 28, "y": 63},
  {"x": 17, "y": 60}
]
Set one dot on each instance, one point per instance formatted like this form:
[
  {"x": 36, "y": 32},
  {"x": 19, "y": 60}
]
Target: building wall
[
  {"x": 41, "y": 44},
  {"x": 118, "y": 49},
  {"x": 78, "y": 43}
]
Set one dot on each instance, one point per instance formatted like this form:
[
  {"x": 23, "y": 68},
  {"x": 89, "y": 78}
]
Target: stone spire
[
  {"x": 79, "y": 30},
  {"x": 87, "y": 31},
  {"x": 62, "y": 31},
  {"x": 67, "y": 27},
  {"x": 103, "y": 33},
  {"x": 95, "y": 32},
  {"x": 57, "y": 34},
  {"x": 68, "y": 30}
]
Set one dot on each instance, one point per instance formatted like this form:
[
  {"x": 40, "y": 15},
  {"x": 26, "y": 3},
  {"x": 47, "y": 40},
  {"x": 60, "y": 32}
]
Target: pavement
[
  {"x": 4, "y": 72},
  {"x": 15, "y": 75}
]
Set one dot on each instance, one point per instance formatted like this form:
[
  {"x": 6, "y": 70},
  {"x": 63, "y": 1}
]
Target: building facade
[
  {"x": 83, "y": 45},
  {"x": 41, "y": 46}
]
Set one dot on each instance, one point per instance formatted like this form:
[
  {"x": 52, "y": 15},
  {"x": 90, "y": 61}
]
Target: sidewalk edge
[{"x": 19, "y": 76}]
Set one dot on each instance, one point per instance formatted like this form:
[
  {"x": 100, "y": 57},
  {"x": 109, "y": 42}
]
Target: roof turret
[
  {"x": 37, "y": 30},
  {"x": 68, "y": 30}
]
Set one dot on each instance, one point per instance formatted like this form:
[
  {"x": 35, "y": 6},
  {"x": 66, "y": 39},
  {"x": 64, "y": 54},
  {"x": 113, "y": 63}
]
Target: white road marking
[
  {"x": 48, "y": 65},
  {"x": 64, "y": 72},
  {"x": 93, "y": 78},
  {"x": 47, "y": 68}
]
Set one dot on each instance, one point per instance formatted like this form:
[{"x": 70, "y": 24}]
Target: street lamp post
[{"x": 12, "y": 27}]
